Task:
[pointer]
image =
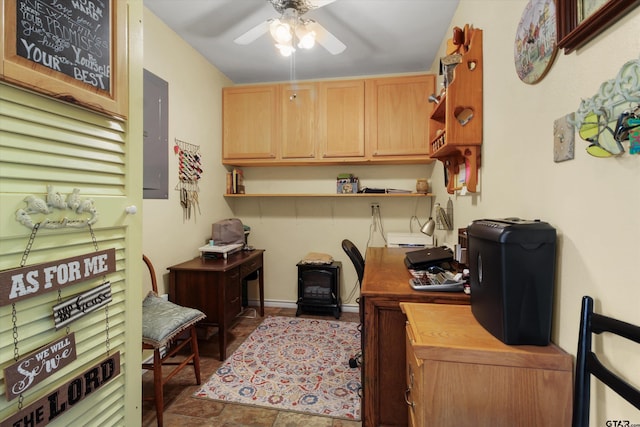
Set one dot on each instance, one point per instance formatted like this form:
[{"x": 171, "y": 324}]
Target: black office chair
[
  {"x": 587, "y": 362},
  {"x": 358, "y": 262}
]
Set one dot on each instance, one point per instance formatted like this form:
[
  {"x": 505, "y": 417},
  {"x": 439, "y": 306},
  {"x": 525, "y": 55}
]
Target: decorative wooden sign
[
  {"x": 82, "y": 304},
  {"x": 39, "y": 365},
  {"x": 70, "y": 49},
  {"x": 26, "y": 282},
  {"x": 50, "y": 407}
]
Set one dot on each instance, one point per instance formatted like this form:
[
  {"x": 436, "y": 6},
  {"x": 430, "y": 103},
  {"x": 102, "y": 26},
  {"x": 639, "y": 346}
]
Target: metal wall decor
[
  {"x": 189, "y": 174},
  {"x": 85, "y": 212},
  {"x": 609, "y": 118}
]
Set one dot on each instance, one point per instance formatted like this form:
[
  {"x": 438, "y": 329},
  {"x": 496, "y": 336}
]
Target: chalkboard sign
[
  {"x": 70, "y": 49},
  {"x": 71, "y": 37}
]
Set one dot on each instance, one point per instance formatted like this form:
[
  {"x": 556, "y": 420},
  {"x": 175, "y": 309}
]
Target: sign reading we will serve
[{"x": 26, "y": 282}]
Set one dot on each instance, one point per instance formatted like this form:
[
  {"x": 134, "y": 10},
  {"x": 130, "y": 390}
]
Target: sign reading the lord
[
  {"x": 39, "y": 365},
  {"x": 56, "y": 403},
  {"x": 26, "y": 282}
]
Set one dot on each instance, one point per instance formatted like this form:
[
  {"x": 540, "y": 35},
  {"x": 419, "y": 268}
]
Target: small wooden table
[
  {"x": 214, "y": 286},
  {"x": 458, "y": 374}
]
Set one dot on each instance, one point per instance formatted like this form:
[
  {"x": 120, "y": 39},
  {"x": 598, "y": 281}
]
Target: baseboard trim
[{"x": 346, "y": 308}]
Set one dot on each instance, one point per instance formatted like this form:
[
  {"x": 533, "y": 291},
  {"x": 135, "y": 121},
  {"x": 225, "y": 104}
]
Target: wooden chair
[
  {"x": 167, "y": 329},
  {"x": 587, "y": 362}
]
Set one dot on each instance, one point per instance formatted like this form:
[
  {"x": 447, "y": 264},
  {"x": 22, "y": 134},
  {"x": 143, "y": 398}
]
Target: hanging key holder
[{"x": 189, "y": 174}]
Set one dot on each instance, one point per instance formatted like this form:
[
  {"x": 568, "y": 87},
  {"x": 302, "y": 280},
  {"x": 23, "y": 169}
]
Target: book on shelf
[{"x": 238, "y": 181}]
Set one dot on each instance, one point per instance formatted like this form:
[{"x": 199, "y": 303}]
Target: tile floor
[{"x": 181, "y": 409}]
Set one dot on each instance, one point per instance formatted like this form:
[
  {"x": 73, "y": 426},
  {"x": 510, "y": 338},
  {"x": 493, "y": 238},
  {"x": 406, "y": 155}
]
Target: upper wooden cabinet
[
  {"x": 250, "y": 123},
  {"x": 341, "y": 131},
  {"x": 382, "y": 120},
  {"x": 456, "y": 122},
  {"x": 298, "y": 121},
  {"x": 397, "y": 111}
]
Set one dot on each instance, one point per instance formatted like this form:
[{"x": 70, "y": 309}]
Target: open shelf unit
[
  {"x": 241, "y": 196},
  {"x": 455, "y": 125}
]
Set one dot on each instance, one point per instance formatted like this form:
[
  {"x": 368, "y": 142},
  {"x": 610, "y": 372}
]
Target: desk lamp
[{"x": 429, "y": 227}]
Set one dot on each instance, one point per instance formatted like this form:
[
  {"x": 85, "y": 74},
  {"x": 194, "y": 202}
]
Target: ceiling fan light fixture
[
  {"x": 306, "y": 38},
  {"x": 285, "y": 49},
  {"x": 280, "y": 31}
]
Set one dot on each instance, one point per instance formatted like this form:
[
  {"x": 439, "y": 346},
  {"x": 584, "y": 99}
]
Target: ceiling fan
[{"x": 291, "y": 30}]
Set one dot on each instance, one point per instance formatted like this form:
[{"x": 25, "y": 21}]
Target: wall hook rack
[
  {"x": 623, "y": 89},
  {"x": 55, "y": 201}
]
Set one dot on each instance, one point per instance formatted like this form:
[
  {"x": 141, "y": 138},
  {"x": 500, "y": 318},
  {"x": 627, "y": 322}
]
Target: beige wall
[
  {"x": 593, "y": 203},
  {"x": 288, "y": 228},
  {"x": 195, "y": 117}
]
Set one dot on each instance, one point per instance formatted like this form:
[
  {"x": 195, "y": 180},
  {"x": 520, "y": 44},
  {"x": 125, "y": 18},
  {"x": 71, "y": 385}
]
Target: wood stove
[{"x": 319, "y": 288}]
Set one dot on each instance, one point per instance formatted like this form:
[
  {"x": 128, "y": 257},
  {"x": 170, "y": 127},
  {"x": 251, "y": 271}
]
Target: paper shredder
[{"x": 512, "y": 269}]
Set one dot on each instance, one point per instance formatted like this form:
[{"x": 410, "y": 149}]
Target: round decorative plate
[{"x": 536, "y": 41}]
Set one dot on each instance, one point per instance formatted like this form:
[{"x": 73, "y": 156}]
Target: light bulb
[
  {"x": 308, "y": 40},
  {"x": 280, "y": 31},
  {"x": 285, "y": 49}
]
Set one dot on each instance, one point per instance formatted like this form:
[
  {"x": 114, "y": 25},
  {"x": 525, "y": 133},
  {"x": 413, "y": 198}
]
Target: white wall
[{"x": 593, "y": 203}]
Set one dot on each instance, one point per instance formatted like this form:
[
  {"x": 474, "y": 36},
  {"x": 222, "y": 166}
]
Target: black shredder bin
[{"x": 512, "y": 268}]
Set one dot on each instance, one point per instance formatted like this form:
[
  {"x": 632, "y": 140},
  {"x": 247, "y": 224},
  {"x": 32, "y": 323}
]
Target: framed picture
[
  {"x": 579, "y": 21},
  {"x": 67, "y": 49}
]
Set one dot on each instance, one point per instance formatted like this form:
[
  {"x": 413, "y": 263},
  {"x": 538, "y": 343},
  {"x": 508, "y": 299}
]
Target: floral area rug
[{"x": 294, "y": 364}]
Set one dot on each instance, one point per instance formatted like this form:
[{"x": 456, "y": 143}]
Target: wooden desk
[
  {"x": 458, "y": 374},
  {"x": 214, "y": 286},
  {"x": 385, "y": 285}
]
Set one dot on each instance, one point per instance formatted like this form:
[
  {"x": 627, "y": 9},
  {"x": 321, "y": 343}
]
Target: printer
[{"x": 408, "y": 240}]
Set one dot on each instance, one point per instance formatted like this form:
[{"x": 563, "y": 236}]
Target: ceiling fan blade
[
  {"x": 319, "y": 3},
  {"x": 254, "y": 33},
  {"x": 326, "y": 39}
]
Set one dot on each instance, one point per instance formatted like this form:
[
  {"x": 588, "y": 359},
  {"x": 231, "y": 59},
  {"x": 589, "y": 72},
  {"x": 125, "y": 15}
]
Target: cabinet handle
[
  {"x": 406, "y": 398},
  {"x": 235, "y": 300}
]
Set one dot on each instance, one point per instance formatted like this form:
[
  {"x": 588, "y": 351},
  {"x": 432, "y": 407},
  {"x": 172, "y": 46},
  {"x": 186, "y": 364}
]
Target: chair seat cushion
[{"x": 163, "y": 320}]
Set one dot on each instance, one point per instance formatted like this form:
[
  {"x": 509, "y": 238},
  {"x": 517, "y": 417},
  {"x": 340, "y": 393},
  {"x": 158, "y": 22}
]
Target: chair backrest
[
  {"x": 356, "y": 258},
  {"x": 152, "y": 272},
  {"x": 587, "y": 362}
]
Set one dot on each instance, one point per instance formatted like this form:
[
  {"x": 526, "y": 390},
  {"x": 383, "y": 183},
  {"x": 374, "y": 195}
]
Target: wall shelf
[{"x": 240, "y": 196}]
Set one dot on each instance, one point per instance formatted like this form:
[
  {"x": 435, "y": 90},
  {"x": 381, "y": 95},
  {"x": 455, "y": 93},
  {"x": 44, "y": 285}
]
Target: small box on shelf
[{"x": 346, "y": 184}]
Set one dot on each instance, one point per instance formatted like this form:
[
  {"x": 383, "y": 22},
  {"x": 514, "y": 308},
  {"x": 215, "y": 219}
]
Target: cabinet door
[
  {"x": 250, "y": 122},
  {"x": 299, "y": 121},
  {"x": 398, "y": 113},
  {"x": 414, "y": 395},
  {"x": 341, "y": 129},
  {"x": 233, "y": 295}
]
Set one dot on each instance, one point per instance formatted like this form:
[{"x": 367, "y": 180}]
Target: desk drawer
[
  {"x": 251, "y": 266},
  {"x": 233, "y": 295}
]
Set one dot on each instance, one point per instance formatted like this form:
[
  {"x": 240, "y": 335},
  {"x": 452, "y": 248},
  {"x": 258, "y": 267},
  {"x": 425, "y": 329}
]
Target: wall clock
[{"x": 536, "y": 41}]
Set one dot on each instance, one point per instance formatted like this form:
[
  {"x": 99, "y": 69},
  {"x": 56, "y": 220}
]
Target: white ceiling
[{"x": 382, "y": 37}]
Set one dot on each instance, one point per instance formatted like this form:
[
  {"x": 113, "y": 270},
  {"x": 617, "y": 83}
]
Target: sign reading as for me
[{"x": 26, "y": 282}]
